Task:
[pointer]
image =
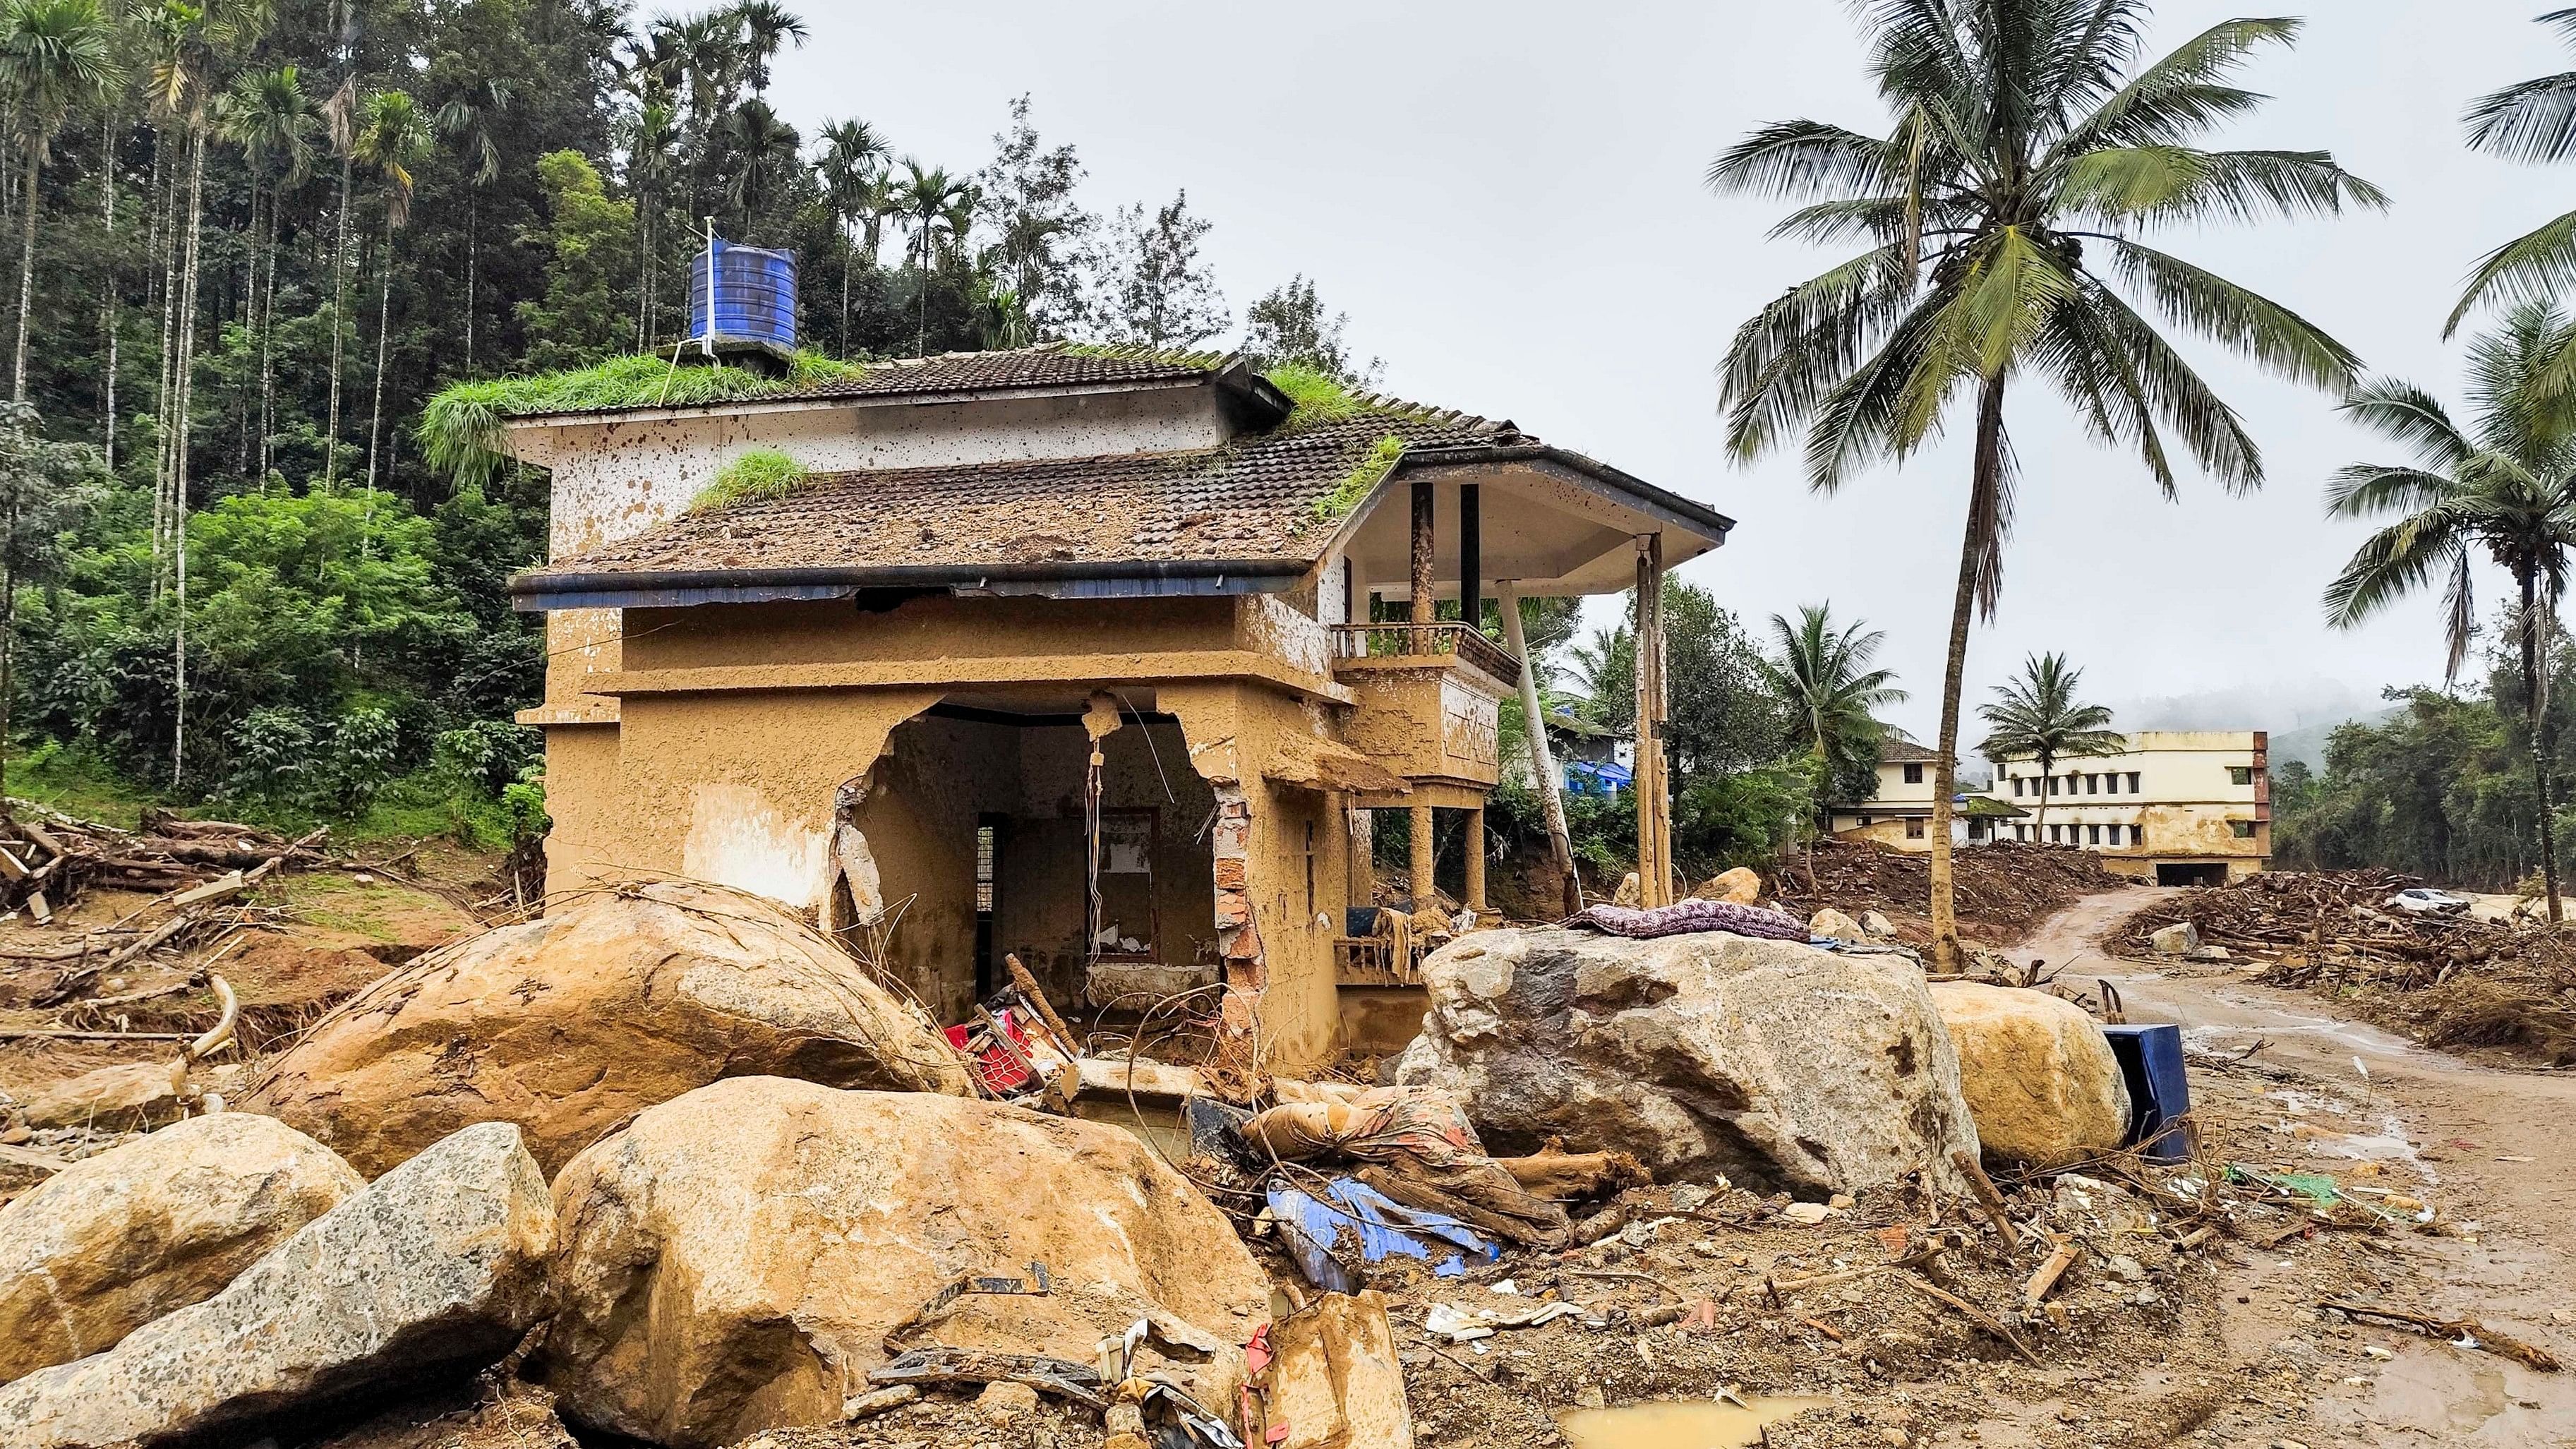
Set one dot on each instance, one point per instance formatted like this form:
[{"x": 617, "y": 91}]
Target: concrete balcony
[{"x": 1428, "y": 698}]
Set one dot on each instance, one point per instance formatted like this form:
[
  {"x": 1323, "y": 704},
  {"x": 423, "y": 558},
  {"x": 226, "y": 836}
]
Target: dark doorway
[{"x": 2170, "y": 874}]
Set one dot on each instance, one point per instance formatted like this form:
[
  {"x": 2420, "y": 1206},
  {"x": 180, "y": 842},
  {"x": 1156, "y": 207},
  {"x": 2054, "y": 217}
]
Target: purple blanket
[{"x": 1683, "y": 917}]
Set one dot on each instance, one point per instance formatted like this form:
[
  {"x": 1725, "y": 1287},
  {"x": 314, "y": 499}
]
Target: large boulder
[
  {"x": 117, "y": 1240},
  {"x": 1741, "y": 886},
  {"x": 2037, "y": 1073},
  {"x": 571, "y": 1024},
  {"x": 734, "y": 1260},
  {"x": 1780, "y": 1065},
  {"x": 437, "y": 1266}
]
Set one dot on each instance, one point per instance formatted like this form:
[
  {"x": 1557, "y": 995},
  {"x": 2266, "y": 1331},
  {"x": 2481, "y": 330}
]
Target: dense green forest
[
  {"x": 258, "y": 237},
  {"x": 2444, "y": 787}
]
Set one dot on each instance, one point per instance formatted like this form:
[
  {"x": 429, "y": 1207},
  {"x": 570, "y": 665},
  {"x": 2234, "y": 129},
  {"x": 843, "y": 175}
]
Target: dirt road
[{"x": 2498, "y": 1146}]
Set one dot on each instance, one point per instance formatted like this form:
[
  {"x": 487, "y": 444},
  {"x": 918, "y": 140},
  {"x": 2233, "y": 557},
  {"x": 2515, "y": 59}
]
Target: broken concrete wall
[{"x": 1278, "y": 904}]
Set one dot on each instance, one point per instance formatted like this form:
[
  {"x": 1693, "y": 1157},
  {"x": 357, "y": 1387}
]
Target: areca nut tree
[
  {"x": 934, "y": 203},
  {"x": 392, "y": 140},
  {"x": 53, "y": 53},
  {"x": 269, "y": 118},
  {"x": 2038, "y": 717},
  {"x": 2000, "y": 218},
  {"x": 2534, "y": 121},
  {"x": 468, "y": 120},
  {"x": 2503, "y": 487},
  {"x": 1829, "y": 676},
  {"x": 853, "y": 164},
  {"x": 766, "y": 150}
]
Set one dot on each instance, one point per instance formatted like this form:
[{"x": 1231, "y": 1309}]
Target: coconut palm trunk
[
  {"x": 1976, "y": 546},
  {"x": 179, "y": 452},
  {"x": 2535, "y": 703}
]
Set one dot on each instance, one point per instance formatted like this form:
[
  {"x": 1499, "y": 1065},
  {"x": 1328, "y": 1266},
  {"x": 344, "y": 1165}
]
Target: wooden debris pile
[
  {"x": 2002, "y": 889},
  {"x": 2450, "y": 980},
  {"x": 47, "y": 862}
]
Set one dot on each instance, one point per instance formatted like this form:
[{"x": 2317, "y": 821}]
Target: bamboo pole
[{"x": 1560, "y": 840}]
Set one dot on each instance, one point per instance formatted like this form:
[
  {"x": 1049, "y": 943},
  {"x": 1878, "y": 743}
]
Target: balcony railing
[{"x": 1391, "y": 641}]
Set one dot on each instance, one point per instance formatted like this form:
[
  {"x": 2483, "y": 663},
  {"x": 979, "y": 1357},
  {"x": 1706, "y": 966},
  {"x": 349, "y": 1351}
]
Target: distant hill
[{"x": 2309, "y": 744}]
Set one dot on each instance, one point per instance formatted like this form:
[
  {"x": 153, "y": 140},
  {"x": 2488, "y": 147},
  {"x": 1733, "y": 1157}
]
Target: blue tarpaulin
[
  {"x": 1597, "y": 777},
  {"x": 1314, "y": 1229}
]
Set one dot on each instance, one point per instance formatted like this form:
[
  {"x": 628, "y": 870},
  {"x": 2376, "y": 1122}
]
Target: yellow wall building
[
  {"x": 1100, "y": 658},
  {"x": 1899, "y": 813},
  {"x": 2180, "y": 807}
]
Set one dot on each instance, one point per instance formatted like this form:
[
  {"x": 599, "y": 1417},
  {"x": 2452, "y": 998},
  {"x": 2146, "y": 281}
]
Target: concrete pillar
[
  {"x": 1423, "y": 838},
  {"x": 1475, "y": 859},
  {"x": 1425, "y": 505}
]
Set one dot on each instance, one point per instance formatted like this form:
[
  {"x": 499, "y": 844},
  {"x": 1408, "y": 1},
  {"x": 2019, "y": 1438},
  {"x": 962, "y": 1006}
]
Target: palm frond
[
  {"x": 2405, "y": 413},
  {"x": 2364, "y": 490},
  {"x": 1786, "y": 358},
  {"x": 2278, "y": 339},
  {"x": 2533, "y": 120},
  {"x": 2176, "y": 184},
  {"x": 2180, "y": 396},
  {"x": 2536, "y": 266},
  {"x": 1797, "y": 159},
  {"x": 1855, "y": 421},
  {"x": 2396, "y": 561},
  {"x": 2181, "y": 95}
]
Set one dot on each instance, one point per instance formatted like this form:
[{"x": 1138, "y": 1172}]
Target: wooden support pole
[
  {"x": 1560, "y": 840},
  {"x": 1654, "y": 799},
  {"x": 1471, "y": 556},
  {"x": 1425, "y": 506},
  {"x": 1475, "y": 884},
  {"x": 1424, "y": 882}
]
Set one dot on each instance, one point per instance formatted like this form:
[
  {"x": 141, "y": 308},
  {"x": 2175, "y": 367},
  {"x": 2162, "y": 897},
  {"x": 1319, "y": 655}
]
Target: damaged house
[{"x": 1103, "y": 658}]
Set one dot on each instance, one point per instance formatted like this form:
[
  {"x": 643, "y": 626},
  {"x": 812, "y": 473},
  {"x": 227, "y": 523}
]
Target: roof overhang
[
  {"x": 1552, "y": 521},
  {"x": 536, "y": 592}
]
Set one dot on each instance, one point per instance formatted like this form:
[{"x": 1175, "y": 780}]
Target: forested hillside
[{"x": 258, "y": 238}]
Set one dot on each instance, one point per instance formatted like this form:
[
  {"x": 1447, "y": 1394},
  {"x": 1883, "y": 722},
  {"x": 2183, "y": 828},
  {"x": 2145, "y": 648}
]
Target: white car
[{"x": 2426, "y": 900}]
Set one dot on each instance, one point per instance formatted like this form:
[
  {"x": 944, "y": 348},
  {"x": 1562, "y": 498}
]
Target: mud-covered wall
[{"x": 925, "y": 627}]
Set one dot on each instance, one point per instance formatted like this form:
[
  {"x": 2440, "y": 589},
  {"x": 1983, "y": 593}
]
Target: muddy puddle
[{"x": 1681, "y": 1423}]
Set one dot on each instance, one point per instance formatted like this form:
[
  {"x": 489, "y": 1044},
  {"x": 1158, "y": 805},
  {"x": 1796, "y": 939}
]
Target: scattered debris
[{"x": 2002, "y": 890}]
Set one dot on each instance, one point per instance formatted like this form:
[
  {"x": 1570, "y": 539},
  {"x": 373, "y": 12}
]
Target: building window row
[
  {"x": 2076, "y": 783},
  {"x": 2133, "y": 837}
]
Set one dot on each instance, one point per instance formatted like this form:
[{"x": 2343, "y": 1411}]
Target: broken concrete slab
[
  {"x": 1774, "y": 1063},
  {"x": 570, "y": 1024},
  {"x": 2179, "y": 939},
  {"x": 436, "y": 1267},
  {"x": 115, "y": 1241},
  {"x": 741, "y": 1258}
]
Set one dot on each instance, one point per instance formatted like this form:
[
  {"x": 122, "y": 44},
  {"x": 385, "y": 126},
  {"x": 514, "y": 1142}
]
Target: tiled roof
[
  {"x": 1052, "y": 364},
  {"x": 1894, "y": 751},
  {"x": 1048, "y": 366},
  {"x": 1254, "y": 498}
]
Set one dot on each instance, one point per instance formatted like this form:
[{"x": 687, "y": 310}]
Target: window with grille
[{"x": 984, "y": 852}]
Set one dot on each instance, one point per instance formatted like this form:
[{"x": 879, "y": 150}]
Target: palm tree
[
  {"x": 340, "y": 121},
  {"x": 268, "y": 116},
  {"x": 2534, "y": 120},
  {"x": 2038, "y": 717},
  {"x": 853, "y": 166},
  {"x": 392, "y": 141},
  {"x": 468, "y": 121},
  {"x": 765, "y": 150},
  {"x": 2505, "y": 488},
  {"x": 1826, "y": 676},
  {"x": 2029, "y": 150},
  {"x": 934, "y": 202},
  {"x": 766, "y": 24},
  {"x": 52, "y": 53}
]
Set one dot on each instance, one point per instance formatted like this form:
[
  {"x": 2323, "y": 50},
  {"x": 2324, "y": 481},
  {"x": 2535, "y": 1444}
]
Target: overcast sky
[{"x": 1505, "y": 196}]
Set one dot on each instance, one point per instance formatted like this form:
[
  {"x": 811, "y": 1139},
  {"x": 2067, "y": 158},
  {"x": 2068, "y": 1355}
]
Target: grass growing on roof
[
  {"x": 1319, "y": 396},
  {"x": 1348, "y": 494},
  {"x": 758, "y": 473},
  {"x": 461, "y": 428}
]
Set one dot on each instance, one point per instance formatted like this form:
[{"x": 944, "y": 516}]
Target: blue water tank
[{"x": 753, "y": 298}]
